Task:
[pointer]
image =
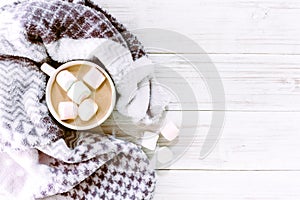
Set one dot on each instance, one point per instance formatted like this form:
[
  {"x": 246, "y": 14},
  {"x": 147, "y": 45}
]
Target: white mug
[{"x": 52, "y": 72}]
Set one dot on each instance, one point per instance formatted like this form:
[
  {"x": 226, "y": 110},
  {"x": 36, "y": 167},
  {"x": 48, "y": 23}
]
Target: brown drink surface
[{"x": 102, "y": 96}]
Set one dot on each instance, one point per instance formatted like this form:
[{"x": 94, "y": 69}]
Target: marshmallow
[
  {"x": 169, "y": 131},
  {"x": 149, "y": 140},
  {"x": 94, "y": 78},
  {"x": 78, "y": 92},
  {"x": 87, "y": 109},
  {"x": 67, "y": 110},
  {"x": 65, "y": 79},
  {"x": 164, "y": 155}
]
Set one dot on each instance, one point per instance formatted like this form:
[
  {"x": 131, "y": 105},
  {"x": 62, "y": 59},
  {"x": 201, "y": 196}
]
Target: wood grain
[
  {"x": 233, "y": 185},
  {"x": 251, "y": 82},
  {"x": 219, "y": 26}
]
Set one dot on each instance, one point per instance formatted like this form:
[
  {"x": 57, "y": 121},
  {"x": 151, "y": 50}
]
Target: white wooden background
[{"x": 255, "y": 45}]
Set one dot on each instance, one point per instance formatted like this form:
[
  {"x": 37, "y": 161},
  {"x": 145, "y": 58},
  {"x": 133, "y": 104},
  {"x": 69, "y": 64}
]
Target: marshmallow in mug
[
  {"x": 78, "y": 92},
  {"x": 65, "y": 79},
  {"x": 93, "y": 78},
  {"x": 87, "y": 109},
  {"x": 67, "y": 110}
]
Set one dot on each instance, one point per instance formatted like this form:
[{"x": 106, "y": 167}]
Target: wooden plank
[
  {"x": 251, "y": 82},
  {"x": 219, "y": 26},
  {"x": 249, "y": 141},
  {"x": 233, "y": 185}
]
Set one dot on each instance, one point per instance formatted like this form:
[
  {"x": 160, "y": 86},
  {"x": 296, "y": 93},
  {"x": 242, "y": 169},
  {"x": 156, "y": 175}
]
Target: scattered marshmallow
[
  {"x": 67, "y": 110},
  {"x": 94, "y": 78},
  {"x": 169, "y": 131},
  {"x": 65, "y": 79},
  {"x": 149, "y": 140},
  {"x": 164, "y": 155},
  {"x": 87, "y": 109},
  {"x": 78, "y": 92}
]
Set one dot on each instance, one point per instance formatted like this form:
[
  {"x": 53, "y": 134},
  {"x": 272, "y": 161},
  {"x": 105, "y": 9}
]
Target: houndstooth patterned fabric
[
  {"x": 75, "y": 165},
  {"x": 124, "y": 171}
]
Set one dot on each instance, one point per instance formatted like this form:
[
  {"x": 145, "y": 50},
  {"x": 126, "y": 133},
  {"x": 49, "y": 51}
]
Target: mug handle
[{"x": 48, "y": 69}]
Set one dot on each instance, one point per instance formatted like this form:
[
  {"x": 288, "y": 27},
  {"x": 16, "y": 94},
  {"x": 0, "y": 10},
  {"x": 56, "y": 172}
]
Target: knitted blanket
[{"x": 39, "y": 157}]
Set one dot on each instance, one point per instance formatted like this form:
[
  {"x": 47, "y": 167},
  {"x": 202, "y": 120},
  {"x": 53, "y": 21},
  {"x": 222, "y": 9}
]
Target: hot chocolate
[{"x": 102, "y": 95}]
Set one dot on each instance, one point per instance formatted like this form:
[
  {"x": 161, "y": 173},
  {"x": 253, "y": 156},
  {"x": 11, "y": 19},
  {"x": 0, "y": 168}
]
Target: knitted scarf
[{"x": 39, "y": 157}]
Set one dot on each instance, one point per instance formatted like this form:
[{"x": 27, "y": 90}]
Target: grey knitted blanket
[{"x": 42, "y": 159}]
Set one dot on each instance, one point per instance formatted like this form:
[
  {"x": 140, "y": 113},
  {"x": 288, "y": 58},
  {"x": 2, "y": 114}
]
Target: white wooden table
[{"x": 255, "y": 45}]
